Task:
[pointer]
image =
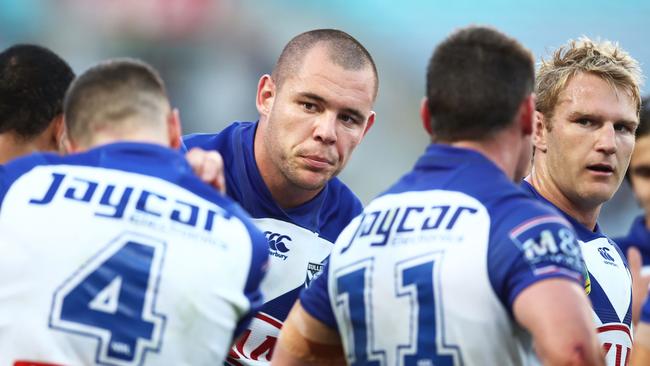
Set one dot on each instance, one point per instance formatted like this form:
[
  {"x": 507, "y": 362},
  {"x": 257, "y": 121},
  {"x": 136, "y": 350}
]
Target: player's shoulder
[
  {"x": 519, "y": 213},
  {"x": 218, "y": 140},
  {"x": 339, "y": 207},
  {"x": 26, "y": 163},
  {"x": 13, "y": 170},
  {"x": 342, "y": 197},
  {"x": 259, "y": 244},
  {"x": 518, "y": 204}
]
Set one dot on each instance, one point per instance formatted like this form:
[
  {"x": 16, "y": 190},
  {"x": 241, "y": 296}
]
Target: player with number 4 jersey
[{"x": 120, "y": 255}]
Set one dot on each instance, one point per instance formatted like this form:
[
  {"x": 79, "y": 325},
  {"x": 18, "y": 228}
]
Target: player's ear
[
  {"x": 540, "y": 131},
  {"x": 48, "y": 139},
  {"x": 174, "y": 129},
  {"x": 425, "y": 116},
  {"x": 266, "y": 90},
  {"x": 59, "y": 133},
  {"x": 68, "y": 145},
  {"x": 527, "y": 115},
  {"x": 371, "y": 121}
]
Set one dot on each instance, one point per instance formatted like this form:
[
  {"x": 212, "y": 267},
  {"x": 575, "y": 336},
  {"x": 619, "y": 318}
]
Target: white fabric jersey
[
  {"x": 299, "y": 239},
  {"x": 139, "y": 266},
  {"x": 609, "y": 286},
  {"x": 610, "y": 290},
  {"x": 427, "y": 275}
]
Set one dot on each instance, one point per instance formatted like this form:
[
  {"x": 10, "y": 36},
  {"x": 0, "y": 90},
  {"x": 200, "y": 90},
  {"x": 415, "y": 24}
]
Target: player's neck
[
  {"x": 106, "y": 137},
  {"x": 498, "y": 150},
  {"x": 584, "y": 213},
  {"x": 12, "y": 147},
  {"x": 297, "y": 197}
]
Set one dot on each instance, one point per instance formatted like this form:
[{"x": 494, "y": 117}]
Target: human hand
[{"x": 208, "y": 166}]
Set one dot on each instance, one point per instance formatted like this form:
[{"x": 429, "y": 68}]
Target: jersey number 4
[
  {"x": 414, "y": 279},
  {"x": 112, "y": 298}
]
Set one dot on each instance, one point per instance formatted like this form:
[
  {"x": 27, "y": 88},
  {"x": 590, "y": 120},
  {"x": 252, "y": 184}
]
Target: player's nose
[
  {"x": 325, "y": 128},
  {"x": 606, "y": 139}
]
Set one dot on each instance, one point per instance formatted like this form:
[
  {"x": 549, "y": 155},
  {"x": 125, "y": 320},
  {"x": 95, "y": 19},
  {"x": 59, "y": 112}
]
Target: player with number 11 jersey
[{"x": 428, "y": 274}]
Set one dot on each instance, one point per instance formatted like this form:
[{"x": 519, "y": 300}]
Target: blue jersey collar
[{"x": 583, "y": 232}]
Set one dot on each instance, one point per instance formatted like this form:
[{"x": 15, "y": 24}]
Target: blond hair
[{"x": 601, "y": 58}]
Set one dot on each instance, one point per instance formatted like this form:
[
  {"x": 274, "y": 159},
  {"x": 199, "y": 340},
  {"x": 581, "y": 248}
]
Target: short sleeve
[
  {"x": 536, "y": 249},
  {"x": 315, "y": 300}
]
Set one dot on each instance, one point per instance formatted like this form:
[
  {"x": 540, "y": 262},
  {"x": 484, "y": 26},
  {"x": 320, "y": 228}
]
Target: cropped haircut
[
  {"x": 343, "y": 49},
  {"x": 115, "y": 94},
  {"x": 33, "y": 82},
  {"x": 477, "y": 79},
  {"x": 602, "y": 58}
]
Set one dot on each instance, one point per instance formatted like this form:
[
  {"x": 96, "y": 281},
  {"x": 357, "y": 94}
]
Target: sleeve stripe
[{"x": 538, "y": 221}]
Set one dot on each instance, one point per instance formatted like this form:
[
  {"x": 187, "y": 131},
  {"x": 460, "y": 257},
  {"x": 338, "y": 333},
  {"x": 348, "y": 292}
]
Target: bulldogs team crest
[{"x": 313, "y": 271}]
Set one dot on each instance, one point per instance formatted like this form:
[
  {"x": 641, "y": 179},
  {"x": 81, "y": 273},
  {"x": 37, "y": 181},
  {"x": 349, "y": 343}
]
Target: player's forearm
[
  {"x": 578, "y": 353},
  {"x": 289, "y": 355},
  {"x": 556, "y": 312},
  {"x": 306, "y": 341}
]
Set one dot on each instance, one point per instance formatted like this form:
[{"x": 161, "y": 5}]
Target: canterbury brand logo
[
  {"x": 278, "y": 244},
  {"x": 604, "y": 252}
]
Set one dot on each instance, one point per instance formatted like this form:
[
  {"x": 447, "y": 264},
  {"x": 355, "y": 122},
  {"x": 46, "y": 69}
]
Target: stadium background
[{"x": 212, "y": 52}]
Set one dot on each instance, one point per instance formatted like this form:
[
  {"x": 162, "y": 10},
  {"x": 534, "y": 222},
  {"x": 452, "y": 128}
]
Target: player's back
[
  {"x": 428, "y": 273},
  {"x": 120, "y": 256}
]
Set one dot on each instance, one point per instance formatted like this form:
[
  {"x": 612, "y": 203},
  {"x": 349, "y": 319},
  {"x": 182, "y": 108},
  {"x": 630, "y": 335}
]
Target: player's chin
[
  {"x": 311, "y": 180},
  {"x": 600, "y": 193}
]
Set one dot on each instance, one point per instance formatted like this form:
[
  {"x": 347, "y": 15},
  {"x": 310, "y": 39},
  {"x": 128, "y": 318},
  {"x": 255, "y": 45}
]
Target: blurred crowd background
[{"x": 212, "y": 52}]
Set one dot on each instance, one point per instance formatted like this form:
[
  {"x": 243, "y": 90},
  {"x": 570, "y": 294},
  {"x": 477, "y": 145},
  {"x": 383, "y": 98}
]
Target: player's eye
[
  {"x": 624, "y": 127},
  {"x": 584, "y": 122},
  {"x": 310, "y": 107},
  {"x": 346, "y": 118}
]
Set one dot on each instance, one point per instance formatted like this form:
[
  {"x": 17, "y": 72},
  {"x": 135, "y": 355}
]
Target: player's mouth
[
  {"x": 317, "y": 161},
  {"x": 601, "y": 169}
]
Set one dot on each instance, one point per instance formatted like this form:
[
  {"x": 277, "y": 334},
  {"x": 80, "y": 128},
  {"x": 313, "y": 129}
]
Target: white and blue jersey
[
  {"x": 121, "y": 256},
  {"x": 299, "y": 239},
  {"x": 609, "y": 286},
  {"x": 639, "y": 236},
  {"x": 428, "y": 274}
]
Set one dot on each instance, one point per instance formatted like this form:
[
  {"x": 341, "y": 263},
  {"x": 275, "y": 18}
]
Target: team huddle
[{"x": 123, "y": 242}]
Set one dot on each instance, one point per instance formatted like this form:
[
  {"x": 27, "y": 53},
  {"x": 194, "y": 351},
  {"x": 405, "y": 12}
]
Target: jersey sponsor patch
[
  {"x": 256, "y": 343},
  {"x": 548, "y": 245},
  {"x": 313, "y": 271},
  {"x": 616, "y": 339}
]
